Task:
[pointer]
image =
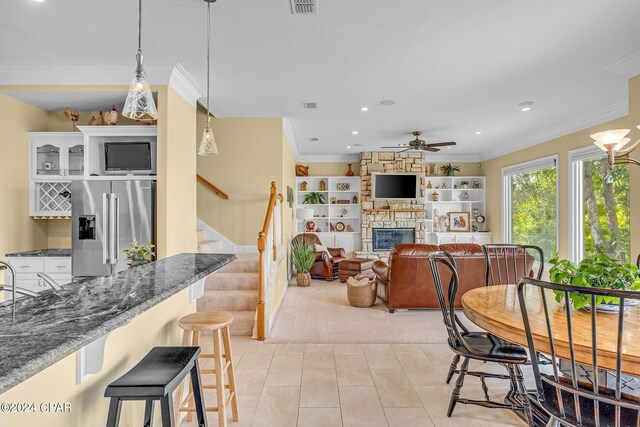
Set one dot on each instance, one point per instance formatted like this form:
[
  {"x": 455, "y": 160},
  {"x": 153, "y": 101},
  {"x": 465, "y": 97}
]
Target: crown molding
[
  {"x": 175, "y": 76},
  {"x": 628, "y": 66},
  {"x": 450, "y": 157},
  {"x": 611, "y": 112}
]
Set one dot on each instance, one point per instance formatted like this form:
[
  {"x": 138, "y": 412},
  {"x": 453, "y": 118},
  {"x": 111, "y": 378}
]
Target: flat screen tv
[
  {"x": 127, "y": 157},
  {"x": 395, "y": 186}
]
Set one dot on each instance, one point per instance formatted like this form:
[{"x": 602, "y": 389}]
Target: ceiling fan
[{"x": 420, "y": 144}]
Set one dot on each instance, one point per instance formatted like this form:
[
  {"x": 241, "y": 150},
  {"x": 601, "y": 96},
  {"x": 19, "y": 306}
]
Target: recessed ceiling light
[
  {"x": 363, "y": 109},
  {"x": 526, "y": 105},
  {"x": 354, "y": 132},
  {"x": 39, "y": 1},
  {"x": 478, "y": 132},
  {"x": 348, "y": 146},
  {"x": 387, "y": 102},
  {"x": 448, "y": 148}
]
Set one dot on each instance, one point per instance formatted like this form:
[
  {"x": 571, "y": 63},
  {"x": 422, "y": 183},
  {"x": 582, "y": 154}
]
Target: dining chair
[
  {"x": 569, "y": 398},
  {"x": 481, "y": 346},
  {"x": 507, "y": 263}
]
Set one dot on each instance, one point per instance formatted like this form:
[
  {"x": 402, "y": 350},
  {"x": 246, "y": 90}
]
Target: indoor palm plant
[
  {"x": 303, "y": 256},
  {"x": 139, "y": 254},
  {"x": 600, "y": 271},
  {"x": 314, "y": 198},
  {"x": 450, "y": 169}
]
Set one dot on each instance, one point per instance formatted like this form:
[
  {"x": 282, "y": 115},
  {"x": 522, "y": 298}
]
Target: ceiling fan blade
[
  {"x": 432, "y": 149},
  {"x": 408, "y": 149},
  {"x": 440, "y": 144}
]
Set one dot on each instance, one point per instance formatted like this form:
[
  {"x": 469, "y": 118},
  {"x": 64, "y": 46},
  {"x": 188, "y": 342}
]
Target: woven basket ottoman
[
  {"x": 361, "y": 291},
  {"x": 353, "y": 266}
]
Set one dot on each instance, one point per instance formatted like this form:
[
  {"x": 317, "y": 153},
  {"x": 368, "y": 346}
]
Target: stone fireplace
[
  {"x": 390, "y": 214},
  {"x": 384, "y": 239}
]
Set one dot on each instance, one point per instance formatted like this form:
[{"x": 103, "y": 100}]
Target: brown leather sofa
[
  {"x": 406, "y": 282},
  {"x": 326, "y": 265}
]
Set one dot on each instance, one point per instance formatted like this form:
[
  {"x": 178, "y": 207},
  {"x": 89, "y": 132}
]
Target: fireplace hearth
[{"x": 384, "y": 239}]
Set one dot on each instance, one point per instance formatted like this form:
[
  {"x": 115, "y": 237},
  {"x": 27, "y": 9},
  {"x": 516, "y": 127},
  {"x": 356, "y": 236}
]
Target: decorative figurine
[
  {"x": 302, "y": 170},
  {"x": 465, "y": 196},
  {"x": 435, "y": 196},
  {"x": 322, "y": 186},
  {"x": 310, "y": 226},
  {"x": 355, "y": 200},
  {"x": 303, "y": 186}
]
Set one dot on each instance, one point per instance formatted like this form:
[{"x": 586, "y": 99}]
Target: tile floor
[{"x": 332, "y": 385}]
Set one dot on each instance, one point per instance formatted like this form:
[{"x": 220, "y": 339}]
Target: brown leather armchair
[
  {"x": 326, "y": 265},
  {"x": 406, "y": 282}
]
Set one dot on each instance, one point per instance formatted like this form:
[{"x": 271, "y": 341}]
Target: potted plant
[
  {"x": 600, "y": 271},
  {"x": 303, "y": 256},
  {"x": 450, "y": 169},
  {"x": 139, "y": 254},
  {"x": 314, "y": 198},
  {"x": 464, "y": 184}
]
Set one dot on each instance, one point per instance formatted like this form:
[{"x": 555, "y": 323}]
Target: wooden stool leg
[
  {"x": 230, "y": 373},
  {"x": 177, "y": 396},
  {"x": 217, "y": 351},
  {"x": 114, "y": 412},
  {"x": 198, "y": 396},
  {"x": 195, "y": 342},
  {"x": 166, "y": 408},
  {"x": 148, "y": 413}
]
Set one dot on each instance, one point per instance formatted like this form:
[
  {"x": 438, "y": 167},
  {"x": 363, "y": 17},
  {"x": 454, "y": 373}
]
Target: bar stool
[
  {"x": 154, "y": 378},
  {"x": 218, "y": 323}
]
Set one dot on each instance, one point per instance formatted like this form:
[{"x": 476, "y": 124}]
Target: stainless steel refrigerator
[{"x": 107, "y": 216}]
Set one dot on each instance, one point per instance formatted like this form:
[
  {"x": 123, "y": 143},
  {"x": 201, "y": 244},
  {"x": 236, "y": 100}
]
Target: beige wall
[
  {"x": 176, "y": 190},
  {"x": 633, "y": 122},
  {"x": 18, "y": 231},
  {"x": 331, "y": 168},
  {"x": 492, "y": 169},
  {"x": 58, "y": 122},
  {"x": 124, "y": 348},
  {"x": 251, "y": 157}
]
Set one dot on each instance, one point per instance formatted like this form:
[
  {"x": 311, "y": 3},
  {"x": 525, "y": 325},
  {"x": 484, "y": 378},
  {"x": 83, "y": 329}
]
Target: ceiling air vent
[
  {"x": 304, "y": 7},
  {"x": 310, "y": 105},
  {"x": 315, "y": 139}
]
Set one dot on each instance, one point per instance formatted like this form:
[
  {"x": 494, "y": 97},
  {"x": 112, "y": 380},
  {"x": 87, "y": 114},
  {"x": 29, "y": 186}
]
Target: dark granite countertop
[
  {"x": 43, "y": 253},
  {"x": 55, "y": 324}
]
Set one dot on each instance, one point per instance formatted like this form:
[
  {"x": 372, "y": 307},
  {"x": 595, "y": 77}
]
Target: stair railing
[
  {"x": 212, "y": 187},
  {"x": 267, "y": 250}
]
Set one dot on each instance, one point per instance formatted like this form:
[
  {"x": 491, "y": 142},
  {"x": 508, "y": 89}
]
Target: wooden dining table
[{"x": 497, "y": 310}]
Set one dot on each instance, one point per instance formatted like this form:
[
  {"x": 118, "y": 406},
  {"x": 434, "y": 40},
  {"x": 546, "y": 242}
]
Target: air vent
[
  {"x": 315, "y": 139},
  {"x": 310, "y": 105},
  {"x": 304, "y": 7}
]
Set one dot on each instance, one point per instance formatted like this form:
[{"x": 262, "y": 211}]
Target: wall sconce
[{"x": 615, "y": 144}]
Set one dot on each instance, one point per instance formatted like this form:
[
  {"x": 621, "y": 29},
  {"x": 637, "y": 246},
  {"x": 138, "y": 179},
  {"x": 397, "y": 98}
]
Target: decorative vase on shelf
[
  {"x": 434, "y": 196},
  {"x": 349, "y": 172},
  {"x": 429, "y": 185}
]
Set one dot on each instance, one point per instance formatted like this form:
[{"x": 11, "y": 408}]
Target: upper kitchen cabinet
[{"x": 57, "y": 156}]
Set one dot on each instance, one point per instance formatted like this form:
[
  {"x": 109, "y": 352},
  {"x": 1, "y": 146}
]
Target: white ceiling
[{"x": 453, "y": 67}]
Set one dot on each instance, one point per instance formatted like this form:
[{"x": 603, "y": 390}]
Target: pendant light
[
  {"x": 140, "y": 104},
  {"x": 208, "y": 142}
]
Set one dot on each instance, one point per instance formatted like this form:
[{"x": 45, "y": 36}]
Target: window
[
  {"x": 530, "y": 204},
  {"x": 599, "y": 211}
]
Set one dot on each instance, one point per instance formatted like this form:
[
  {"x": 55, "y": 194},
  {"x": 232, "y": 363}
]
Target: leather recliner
[
  {"x": 407, "y": 282},
  {"x": 326, "y": 265}
]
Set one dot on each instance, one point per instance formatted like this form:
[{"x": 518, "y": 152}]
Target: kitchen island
[{"x": 138, "y": 308}]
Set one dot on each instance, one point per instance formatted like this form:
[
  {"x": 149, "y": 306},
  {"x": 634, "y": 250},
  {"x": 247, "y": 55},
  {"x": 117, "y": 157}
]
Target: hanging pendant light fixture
[
  {"x": 140, "y": 104},
  {"x": 208, "y": 142}
]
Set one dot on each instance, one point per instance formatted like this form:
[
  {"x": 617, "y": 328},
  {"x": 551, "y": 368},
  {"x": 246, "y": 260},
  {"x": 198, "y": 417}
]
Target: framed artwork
[{"x": 458, "y": 221}]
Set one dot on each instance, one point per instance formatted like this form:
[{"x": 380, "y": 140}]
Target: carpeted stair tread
[
  {"x": 242, "y": 265},
  {"x": 209, "y": 246},
  {"x": 229, "y": 281},
  {"x": 242, "y": 323},
  {"x": 228, "y": 300}
]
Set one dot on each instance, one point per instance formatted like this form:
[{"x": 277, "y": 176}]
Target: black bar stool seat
[{"x": 155, "y": 377}]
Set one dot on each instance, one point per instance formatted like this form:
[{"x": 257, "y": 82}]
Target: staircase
[{"x": 233, "y": 288}]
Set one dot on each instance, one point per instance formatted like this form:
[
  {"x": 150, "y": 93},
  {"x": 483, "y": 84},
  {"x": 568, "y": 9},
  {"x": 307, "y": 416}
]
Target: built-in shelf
[{"x": 394, "y": 210}]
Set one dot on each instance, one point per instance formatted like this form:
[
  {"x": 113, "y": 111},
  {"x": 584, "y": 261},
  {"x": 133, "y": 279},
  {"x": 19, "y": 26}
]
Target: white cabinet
[
  {"x": 27, "y": 269},
  {"x": 57, "y": 155},
  {"x": 336, "y": 220},
  {"x": 446, "y": 238}
]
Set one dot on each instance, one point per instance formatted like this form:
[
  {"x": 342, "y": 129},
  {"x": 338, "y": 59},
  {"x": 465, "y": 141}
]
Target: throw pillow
[{"x": 320, "y": 248}]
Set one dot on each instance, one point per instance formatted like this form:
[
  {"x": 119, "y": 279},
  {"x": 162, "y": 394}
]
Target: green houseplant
[
  {"x": 303, "y": 256},
  {"x": 139, "y": 254},
  {"x": 600, "y": 271},
  {"x": 449, "y": 169},
  {"x": 314, "y": 198},
  {"x": 464, "y": 184}
]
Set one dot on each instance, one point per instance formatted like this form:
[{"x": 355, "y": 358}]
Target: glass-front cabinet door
[
  {"x": 47, "y": 158},
  {"x": 75, "y": 163}
]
